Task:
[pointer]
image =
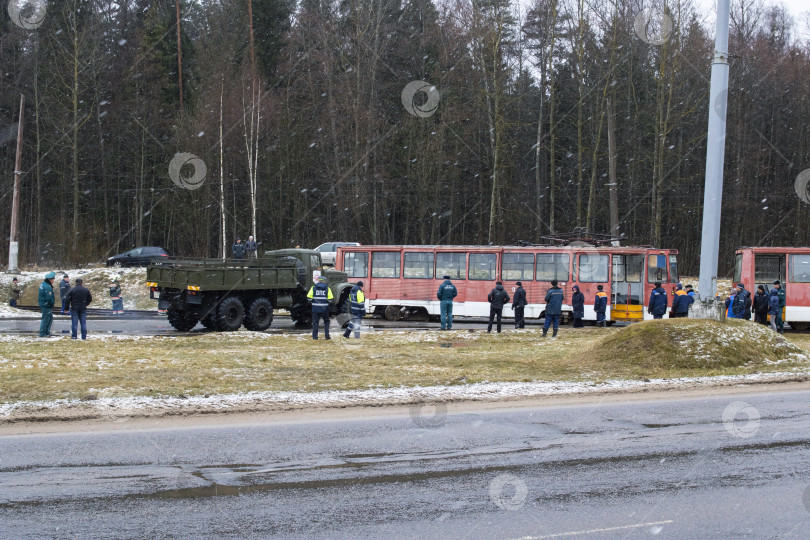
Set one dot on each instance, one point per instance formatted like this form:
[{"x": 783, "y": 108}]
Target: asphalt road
[
  {"x": 730, "y": 467},
  {"x": 153, "y": 323}
]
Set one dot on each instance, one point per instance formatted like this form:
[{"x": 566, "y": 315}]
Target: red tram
[
  {"x": 791, "y": 266},
  {"x": 399, "y": 279}
]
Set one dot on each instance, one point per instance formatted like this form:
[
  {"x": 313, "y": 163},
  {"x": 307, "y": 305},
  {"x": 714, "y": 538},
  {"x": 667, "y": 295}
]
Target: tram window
[
  {"x": 355, "y": 264},
  {"x": 593, "y": 268},
  {"x": 738, "y": 260},
  {"x": 518, "y": 266},
  {"x": 385, "y": 264},
  {"x": 483, "y": 266},
  {"x": 418, "y": 265},
  {"x": 800, "y": 268},
  {"x": 628, "y": 268},
  {"x": 673, "y": 268},
  {"x": 451, "y": 264},
  {"x": 552, "y": 266},
  {"x": 768, "y": 268},
  {"x": 657, "y": 268}
]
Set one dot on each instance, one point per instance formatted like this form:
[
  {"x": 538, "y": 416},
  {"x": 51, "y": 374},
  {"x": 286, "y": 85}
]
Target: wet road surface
[{"x": 730, "y": 467}]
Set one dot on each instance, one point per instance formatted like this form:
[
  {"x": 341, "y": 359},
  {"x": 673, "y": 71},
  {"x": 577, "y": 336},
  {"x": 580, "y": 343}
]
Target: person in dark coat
[
  {"x": 447, "y": 291},
  {"x": 600, "y": 305},
  {"x": 497, "y": 298},
  {"x": 46, "y": 301},
  {"x": 780, "y": 292},
  {"x": 680, "y": 303},
  {"x": 518, "y": 305},
  {"x": 320, "y": 294},
  {"x": 238, "y": 249},
  {"x": 761, "y": 306},
  {"x": 554, "y": 301},
  {"x": 115, "y": 296},
  {"x": 357, "y": 309},
  {"x": 657, "y": 306},
  {"x": 64, "y": 288},
  {"x": 78, "y": 298},
  {"x": 774, "y": 309},
  {"x": 578, "y": 305},
  {"x": 741, "y": 307}
]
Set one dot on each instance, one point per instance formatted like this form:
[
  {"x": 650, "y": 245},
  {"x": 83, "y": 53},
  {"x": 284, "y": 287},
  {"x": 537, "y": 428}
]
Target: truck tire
[
  {"x": 301, "y": 316},
  {"x": 208, "y": 321},
  {"x": 181, "y": 320},
  {"x": 259, "y": 315},
  {"x": 230, "y": 315}
]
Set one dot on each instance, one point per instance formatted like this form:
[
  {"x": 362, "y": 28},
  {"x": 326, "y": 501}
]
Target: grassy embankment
[{"x": 31, "y": 369}]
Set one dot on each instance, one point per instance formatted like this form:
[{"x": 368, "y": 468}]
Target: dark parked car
[{"x": 141, "y": 256}]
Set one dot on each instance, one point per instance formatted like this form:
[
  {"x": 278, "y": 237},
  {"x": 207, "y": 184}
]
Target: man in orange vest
[{"x": 600, "y": 305}]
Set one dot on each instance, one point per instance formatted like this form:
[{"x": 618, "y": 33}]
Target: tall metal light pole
[{"x": 715, "y": 155}]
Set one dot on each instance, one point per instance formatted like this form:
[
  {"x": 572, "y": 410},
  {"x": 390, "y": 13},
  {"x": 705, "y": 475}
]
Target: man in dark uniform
[
  {"x": 77, "y": 299},
  {"x": 518, "y": 305},
  {"x": 780, "y": 292},
  {"x": 238, "y": 249},
  {"x": 600, "y": 305},
  {"x": 658, "y": 302},
  {"x": 554, "y": 301},
  {"x": 497, "y": 298},
  {"x": 447, "y": 291},
  {"x": 357, "y": 308},
  {"x": 320, "y": 294},
  {"x": 773, "y": 309},
  {"x": 64, "y": 288},
  {"x": 46, "y": 302},
  {"x": 680, "y": 303}
]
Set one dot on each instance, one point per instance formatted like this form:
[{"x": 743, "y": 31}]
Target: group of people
[
  {"x": 658, "y": 303},
  {"x": 74, "y": 299},
  {"x": 498, "y": 298},
  {"x": 320, "y": 294},
  {"x": 741, "y": 305},
  {"x": 248, "y": 249}
]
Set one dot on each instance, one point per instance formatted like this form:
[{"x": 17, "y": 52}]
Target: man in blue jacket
[
  {"x": 46, "y": 301},
  {"x": 554, "y": 301},
  {"x": 780, "y": 292},
  {"x": 774, "y": 310},
  {"x": 658, "y": 302},
  {"x": 357, "y": 308},
  {"x": 680, "y": 303},
  {"x": 447, "y": 291}
]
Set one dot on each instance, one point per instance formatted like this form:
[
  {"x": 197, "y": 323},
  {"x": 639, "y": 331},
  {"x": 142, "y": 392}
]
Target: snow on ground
[{"x": 121, "y": 408}]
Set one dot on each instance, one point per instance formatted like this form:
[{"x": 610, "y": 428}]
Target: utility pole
[
  {"x": 13, "y": 245},
  {"x": 715, "y": 156},
  {"x": 179, "y": 55}
]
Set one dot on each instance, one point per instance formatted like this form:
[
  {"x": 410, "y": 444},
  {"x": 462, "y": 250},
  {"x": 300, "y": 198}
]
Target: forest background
[{"x": 306, "y": 122}]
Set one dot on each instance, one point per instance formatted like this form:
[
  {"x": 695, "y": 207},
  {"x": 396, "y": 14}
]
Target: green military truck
[{"x": 224, "y": 295}]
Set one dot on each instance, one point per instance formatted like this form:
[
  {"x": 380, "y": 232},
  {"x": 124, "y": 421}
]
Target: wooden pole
[{"x": 13, "y": 245}]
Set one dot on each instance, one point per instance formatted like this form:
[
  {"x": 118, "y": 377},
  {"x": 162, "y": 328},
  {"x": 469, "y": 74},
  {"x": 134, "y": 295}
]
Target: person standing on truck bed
[
  {"x": 251, "y": 248},
  {"x": 320, "y": 294},
  {"x": 447, "y": 291},
  {"x": 238, "y": 249}
]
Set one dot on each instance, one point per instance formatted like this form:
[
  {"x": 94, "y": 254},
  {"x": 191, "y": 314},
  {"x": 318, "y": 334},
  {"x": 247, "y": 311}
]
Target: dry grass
[{"x": 32, "y": 369}]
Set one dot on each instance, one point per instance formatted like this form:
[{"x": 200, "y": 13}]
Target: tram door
[{"x": 627, "y": 288}]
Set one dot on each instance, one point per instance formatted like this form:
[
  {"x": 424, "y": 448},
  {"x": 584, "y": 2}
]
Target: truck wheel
[
  {"x": 301, "y": 316},
  {"x": 259, "y": 315},
  {"x": 230, "y": 314},
  {"x": 181, "y": 320},
  {"x": 208, "y": 321}
]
